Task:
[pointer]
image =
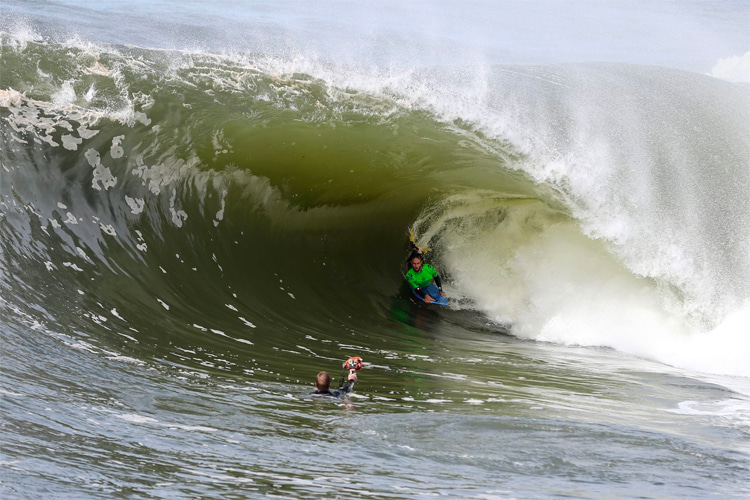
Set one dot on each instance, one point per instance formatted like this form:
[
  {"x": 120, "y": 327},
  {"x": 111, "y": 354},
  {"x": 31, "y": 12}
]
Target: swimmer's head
[{"x": 323, "y": 381}]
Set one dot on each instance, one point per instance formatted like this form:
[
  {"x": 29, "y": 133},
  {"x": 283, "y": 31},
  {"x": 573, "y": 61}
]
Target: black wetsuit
[{"x": 344, "y": 390}]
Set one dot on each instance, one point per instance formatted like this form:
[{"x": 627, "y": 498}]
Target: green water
[{"x": 187, "y": 239}]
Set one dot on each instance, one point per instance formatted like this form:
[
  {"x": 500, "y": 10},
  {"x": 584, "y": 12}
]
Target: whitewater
[{"x": 203, "y": 206}]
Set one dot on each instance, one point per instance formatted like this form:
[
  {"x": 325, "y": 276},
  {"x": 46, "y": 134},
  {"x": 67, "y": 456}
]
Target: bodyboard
[{"x": 440, "y": 301}]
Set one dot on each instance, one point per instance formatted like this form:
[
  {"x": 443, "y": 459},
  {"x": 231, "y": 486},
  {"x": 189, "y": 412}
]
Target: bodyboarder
[{"x": 420, "y": 277}]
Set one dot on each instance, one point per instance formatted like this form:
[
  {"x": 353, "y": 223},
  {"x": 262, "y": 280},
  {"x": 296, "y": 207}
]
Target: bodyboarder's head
[{"x": 416, "y": 260}]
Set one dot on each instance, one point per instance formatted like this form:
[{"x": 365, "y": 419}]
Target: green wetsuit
[{"x": 422, "y": 278}]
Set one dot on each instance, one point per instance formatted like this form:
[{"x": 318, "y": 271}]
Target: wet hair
[
  {"x": 414, "y": 254},
  {"x": 323, "y": 381}
]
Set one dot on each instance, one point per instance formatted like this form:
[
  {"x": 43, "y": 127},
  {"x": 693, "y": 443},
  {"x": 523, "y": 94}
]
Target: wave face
[
  {"x": 204, "y": 204},
  {"x": 582, "y": 204}
]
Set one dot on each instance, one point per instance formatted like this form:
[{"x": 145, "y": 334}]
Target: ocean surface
[{"x": 204, "y": 204}]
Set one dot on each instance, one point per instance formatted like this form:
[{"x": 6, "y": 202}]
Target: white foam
[
  {"x": 136, "y": 204},
  {"x": 733, "y": 68},
  {"x": 733, "y": 413},
  {"x": 85, "y": 133},
  {"x": 138, "y": 419},
  {"x": 248, "y": 323},
  {"x": 66, "y": 95},
  {"x": 722, "y": 350},
  {"x": 90, "y": 93},
  {"x": 10, "y": 393},
  {"x": 21, "y": 35},
  {"x": 70, "y": 142},
  {"x": 126, "y": 359},
  {"x": 116, "y": 151},
  {"x": 526, "y": 266},
  {"x": 178, "y": 216},
  {"x": 220, "y": 213},
  {"x": 70, "y": 219},
  {"x": 198, "y": 428},
  {"x": 141, "y": 118},
  {"x": 102, "y": 174}
]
